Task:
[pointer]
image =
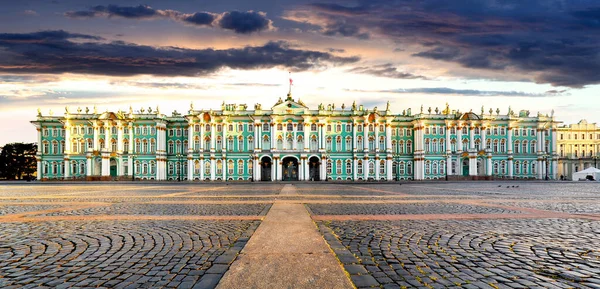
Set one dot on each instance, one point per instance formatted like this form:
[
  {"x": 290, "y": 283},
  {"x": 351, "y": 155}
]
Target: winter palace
[{"x": 291, "y": 141}]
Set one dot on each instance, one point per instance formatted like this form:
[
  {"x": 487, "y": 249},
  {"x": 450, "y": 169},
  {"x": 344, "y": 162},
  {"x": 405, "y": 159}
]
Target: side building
[
  {"x": 578, "y": 147},
  {"x": 289, "y": 141}
]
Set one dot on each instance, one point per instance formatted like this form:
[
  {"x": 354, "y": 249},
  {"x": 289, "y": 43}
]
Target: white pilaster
[{"x": 388, "y": 138}]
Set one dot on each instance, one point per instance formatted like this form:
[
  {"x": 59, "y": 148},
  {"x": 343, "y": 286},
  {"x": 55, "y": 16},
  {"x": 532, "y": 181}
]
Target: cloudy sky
[{"x": 539, "y": 55}]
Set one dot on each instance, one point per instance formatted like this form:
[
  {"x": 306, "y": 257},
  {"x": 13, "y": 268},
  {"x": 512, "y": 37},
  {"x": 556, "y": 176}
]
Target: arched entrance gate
[
  {"x": 265, "y": 169},
  {"x": 290, "y": 169}
]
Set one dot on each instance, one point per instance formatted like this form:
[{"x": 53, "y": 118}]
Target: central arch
[
  {"x": 465, "y": 167},
  {"x": 265, "y": 169},
  {"x": 113, "y": 167},
  {"x": 290, "y": 169},
  {"x": 314, "y": 166}
]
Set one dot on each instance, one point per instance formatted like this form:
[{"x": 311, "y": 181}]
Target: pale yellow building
[{"x": 578, "y": 147}]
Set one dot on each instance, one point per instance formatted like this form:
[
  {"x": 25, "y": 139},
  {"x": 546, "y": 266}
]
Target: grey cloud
[
  {"x": 237, "y": 21},
  {"x": 58, "y": 54},
  {"x": 464, "y": 92},
  {"x": 384, "y": 70}
]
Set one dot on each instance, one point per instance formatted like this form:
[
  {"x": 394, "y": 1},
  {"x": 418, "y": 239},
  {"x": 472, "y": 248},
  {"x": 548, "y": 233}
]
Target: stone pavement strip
[{"x": 286, "y": 251}]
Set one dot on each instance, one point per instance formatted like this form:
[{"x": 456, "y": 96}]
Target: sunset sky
[{"x": 538, "y": 55}]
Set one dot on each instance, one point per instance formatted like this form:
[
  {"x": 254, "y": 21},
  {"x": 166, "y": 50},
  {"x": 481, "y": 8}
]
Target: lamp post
[
  {"x": 179, "y": 168},
  {"x": 546, "y": 156},
  {"x": 326, "y": 158},
  {"x": 396, "y": 157},
  {"x": 133, "y": 169},
  {"x": 446, "y": 155},
  {"x": 595, "y": 160}
]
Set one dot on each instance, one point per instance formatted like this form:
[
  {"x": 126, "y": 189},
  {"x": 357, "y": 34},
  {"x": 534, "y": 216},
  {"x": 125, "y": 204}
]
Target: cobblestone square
[{"x": 382, "y": 235}]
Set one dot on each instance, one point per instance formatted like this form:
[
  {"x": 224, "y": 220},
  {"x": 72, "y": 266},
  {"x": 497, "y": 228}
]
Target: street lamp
[
  {"x": 595, "y": 160},
  {"x": 133, "y": 169},
  {"x": 446, "y": 155},
  {"x": 546, "y": 156},
  {"x": 396, "y": 157},
  {"x": 326, "y": 158},
  {"x": 179, "y": 155}
]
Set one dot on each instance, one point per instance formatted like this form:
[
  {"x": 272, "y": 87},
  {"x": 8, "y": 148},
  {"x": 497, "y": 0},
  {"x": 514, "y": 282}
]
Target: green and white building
[{"x": 290, "y": 141}]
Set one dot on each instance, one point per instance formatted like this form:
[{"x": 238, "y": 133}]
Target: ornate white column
[
  {"x": 107, "y": 143},
  {"x": 366, "y": 168},
  {"x": 354, "y": 167},
  {"x": 224, "y": 144},
  {"x": 213, "y": 139},
  {"x": 96, "y": 138},
  {"x": 295, "y": 141},
  {"x": 306, "y": 135},
  {"x": 67, "y": 167},
  {"x": 201, "y": 136},
  {"x": 366, "y": 138},
  {"x": 321, "y": 144},
  {"x": 190, "y": 137},
  {"x": 459, "y": 143},
  {"x": 212, "y": 168},
  {"x": 190, "y": 169},
  {"x": 131, "y": 141},
  {"x": 509, "y": 145},
  {"x": 471, "y": 137},
  {"x": 274, "y": 169},
  {"x": 388, "y": 138},
  {"x": 301, "y": 168},
  {"x": 273, "y": 137},
  {"x": 354, "y": 148},
  {"x": 554, "y": 154},
  {"x": 483, "y": 135},
  {"x": 256, "y": 136},
  {"x": 377, "y": 167},
  {"x": 88, "y": 164},
  {"x": 225, "y": 167},
  {"x": 472, "y": 164},
  {"x": 376, "y": 138},
  {"x": 201, "y": 168},
  {"x": 388, "y": 169},
  {"x": 39, "y": 168},
  {"x": 306, "y": 170},
  {"x": 488, "y": 165},
  {"x": 279, "y": 170},
  {"x": 67, "y": 147},
  {"x": 119, "y": 138}
]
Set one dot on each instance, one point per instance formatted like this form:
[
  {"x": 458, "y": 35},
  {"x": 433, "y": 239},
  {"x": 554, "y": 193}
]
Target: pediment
[{"x": 289, "y": 106}]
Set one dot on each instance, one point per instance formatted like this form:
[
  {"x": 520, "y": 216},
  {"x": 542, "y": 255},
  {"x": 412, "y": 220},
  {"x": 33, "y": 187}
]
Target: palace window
[
  {"x": 503, "y": 167},
  {"x": 313, "y": 127},
  {"x": 313, "y": 143},
  {"x": 359, "y": 167},
  {"x": 230, "y": 167},
  {"x": 409, "y": 148},
  {"x": 381, "y": 143},
  {"x": 442, "y": 167},
  {"x": 178, "y": 147},
  {"x": 328, "y": 128},
  {"x": 348, "y": 127},
  {"x": 371, "y": 128},
  {"x": 533, "y": 168},
  {"x": 400, "y": 147},
  {"x": 525, "y": 167},
  {"x": 290, "y": 127},
  {"x": 328, "y": 144},
  {"x": 240, "y": 144},
  {"x": 359, "y": 127},
  {"x": 207, "y": 143},
  {"x": 102, "y": 131},
  {"x": 207, "y": 128},
  {"x": 348, "y": 143},
  {"x": 266, "y": 144},
  {"x": 382, "y": 167},
  {"x": 329, "y": 169},
  {"x": 207, "y": 168},
  {"x": 402, "y": 168},
  {"x": 240, "y": 127},
  {"x": 502, "y": 146},
  {"x": 279, "y": 143},
  {"x": 371, "y": 143},
  {"x": 279, "y": 127},
  {"x": 496, "y": 171},
  {"x": 250, "y": 166},
  {"x": 434, "y": 168},
  {"x": 381, "y": 128},
  {"x": 240, "y": 166},
  {"x": 338, "y": 167},
  {"x": 488, "y": 144},
  {"x": 517, "y": 168},
  {"x": 230, "y": 127},
  {"x": 300, "y": 142},
  {"x": 230, "y": 143},
  {"x": 427, "y": 146},
  {"x": 532, "y": 146},
  {"x": 516, "y": 147},
  {"x": 290, "y": 142},
  {"x": 428, "y": 167},
  {"x": 219, "y": 168},
  {"x": 266, "y": 126},
  {"x": 219, "y": 128},
  {"x": 171, "y": 148},
  {"x": 152, "y": 146},
  {"x": 251, "y": 127},
  {"x": 442, "y": 145},
  {"x": 219, "y": 143},
  {"x": 348, "y": 167},
  {"x": 495, "y": 145},
  {"x": 250, "y": 143},
  {"x": 371, "y": 168}
]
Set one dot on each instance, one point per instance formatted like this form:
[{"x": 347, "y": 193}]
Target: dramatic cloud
[
  {"x": 244, "y": 22},
  {"x": 384, "y": 70},
  {"x": 465, "y": 92},
  {"x": 554, "y": 42},
  {"x": 54, "y": 52},
  {"x": 239, "y": 22}
]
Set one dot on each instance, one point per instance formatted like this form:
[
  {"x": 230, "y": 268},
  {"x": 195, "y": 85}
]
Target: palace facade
[
  {"x": 290, "y": 141},
  {"x": 579, "y": 147}
]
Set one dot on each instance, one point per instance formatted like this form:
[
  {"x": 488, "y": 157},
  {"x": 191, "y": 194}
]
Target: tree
[{"x": 18, "y": 160}]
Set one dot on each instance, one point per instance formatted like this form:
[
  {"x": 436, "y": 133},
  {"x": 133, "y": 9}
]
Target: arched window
[
  {"x": 328, "y": 143},
  {"x": 266, "y": 126},
  {"x": 465, "y": 143},
  {"x": 525, "y": 167},
  {"x": 435, "y": 168},
  {"x": 409, "y": 147},
  {"x": 55, "y": 147},
  {"x": 240, "y": 127},
  {"x": 90, "y": 144},
  {"x": 329, "y": 169},
  {"x": 371, "y": 128},
  {"x": 266, "y": 145},
  {"x": 240, "y": 146},
  {"x": 144, "y": 146},
  {"x": 381, "y": 143},
  {"x": 230, "y": 167},
  {"x": 496, "y": 167},
  {"x": 196, "y": 167},
  {"x": 532, "y": 148},
  {"x": 402, "y": 168},
  {"x": 290, "y": 142},
  {"x": 338, "y": 128},
  {"x": 442, "y": 143},
  {"x": 503, "y": 146},
  {"x": 359, "y": 167},
  {"x": 314, "y": 143},
  {"x": 300, "y": 142},
  {"x": 138, "y": 168},
  {"x": 338, "y": 166},
  {"x": 250, "y": 143},
  {"x": 488, "y": 144},
  {"x": 517, "y": 147},
  {"x": 279, "y": 143},
  {"x": 219, "y": 168},
  {"x": 207, "y": 143},
  {"x": 230, "y": 143},
  {"x": 533, "y": 168},
  {"x": 197, "y": 143},
  {"x": 240, "y": 167},
  {"x": 125, "y": 145},
  {"x": 382, "y": 167},
  {"x": 434, "y": 146},
  {"x": 401, "y": 147},
  {"x": 428, "y": 167},
  {"x": 359, "y": 127},
  {"x": 178, "y": 147},
  {"x": 144, "y": 168},
  {"x": 495, "y": 145},
  {"x": 250, "y": 167},
  {"x": 477, "y": 144},
  {"x": 453, "y": 145},
  {"x": 517, "y": 168},
  {"x": 338, "y": 143},
  {"x": 82, "y": 168},
  {"x": 279, "y": 127},
  {"x": 371, "y": 167},
  {"x": 524, "y": 147},
  {"x": 290, "y": 127},
  {"x": 207, "y": 168},
  {"x": 313, "y": 127},
  {"x": 371, "y": 143},
  {"x": 442, "y": 167},
  {"x": 348, "y": 167},
  {"x": 503, "y": 167},
  {"x": 328, "y": 128},
  {"x": 207, "y": 128},
  {"x": 427, "y": 146},
  {"x": 219, "y": 145},
  {"x": 394, "y": 147},
  {"x": 359, "y": 142},
  {"x": 196, "y": 128}
]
